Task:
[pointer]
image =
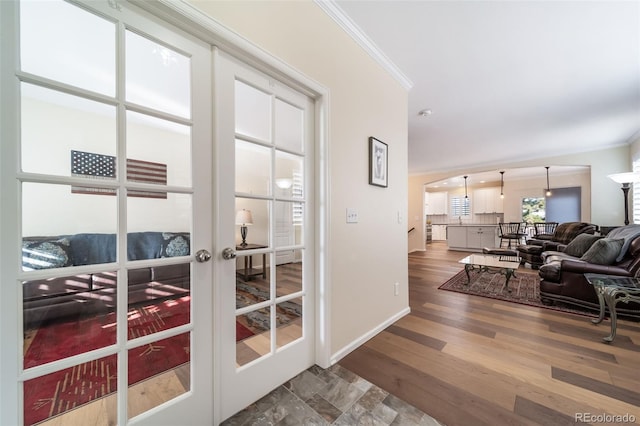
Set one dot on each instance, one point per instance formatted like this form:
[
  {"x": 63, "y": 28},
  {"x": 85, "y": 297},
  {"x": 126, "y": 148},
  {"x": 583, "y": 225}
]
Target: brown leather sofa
[
  {"x": 90, "y": 294},
  {"x": 564, "y": 233},
  {"x": 562, "y": 274}
]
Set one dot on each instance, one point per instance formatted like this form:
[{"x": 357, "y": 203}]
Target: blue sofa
[{"x": 90, "y": 294}]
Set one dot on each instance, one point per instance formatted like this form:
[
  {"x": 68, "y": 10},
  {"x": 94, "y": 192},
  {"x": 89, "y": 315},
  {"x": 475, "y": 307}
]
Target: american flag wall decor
[
  {"x": 146, "y": 172},
  {"x": 92, "y": 166},
  {"x": 98, "y": 166}
]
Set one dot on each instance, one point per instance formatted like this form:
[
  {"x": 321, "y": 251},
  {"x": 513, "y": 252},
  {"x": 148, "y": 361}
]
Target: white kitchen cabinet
[
  {"x": 487, "y": 200},
  {"x": 457, "y": 236},
  {"x": 479, "y": 236},
  {"x": 472, "y": 237},
  {"x": 436, "y": 203},
  {"x": 439, "y": 232}
]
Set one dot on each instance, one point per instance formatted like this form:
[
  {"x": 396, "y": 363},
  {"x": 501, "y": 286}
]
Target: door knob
[
  {"x": 203, "y": 256},
  {"x": 228, "y": 253}
]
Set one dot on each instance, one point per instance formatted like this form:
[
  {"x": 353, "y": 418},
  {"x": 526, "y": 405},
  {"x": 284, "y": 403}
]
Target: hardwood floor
[{"x": 468, "y": 360}]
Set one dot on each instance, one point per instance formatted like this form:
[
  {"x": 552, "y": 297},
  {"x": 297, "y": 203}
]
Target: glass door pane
[
  {"x": 69, "y": 225},
  {"x": 269, "y": 213},
  {"x": 170, "y": 88},
  {"x": 107, "y": 215},
  {"x": 50, "y": 47}
]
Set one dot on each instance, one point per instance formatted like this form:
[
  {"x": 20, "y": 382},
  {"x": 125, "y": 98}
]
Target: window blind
[{"x": 460, "y": 206}]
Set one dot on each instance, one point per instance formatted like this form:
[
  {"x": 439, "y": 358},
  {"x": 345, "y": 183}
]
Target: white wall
[
  {"x": 54, "y": 210},
  {"x": 517, "y": 189},
  {"x": 366, "y": 258}
]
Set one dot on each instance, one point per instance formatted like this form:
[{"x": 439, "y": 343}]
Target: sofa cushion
[
  {"x": 144, "y": 245},
  {"x": 155, "y": 245},
  {"x": 91, "y": 249},
  {"x": 604, "y": 251},
  {"x": 580, "y": 244}
]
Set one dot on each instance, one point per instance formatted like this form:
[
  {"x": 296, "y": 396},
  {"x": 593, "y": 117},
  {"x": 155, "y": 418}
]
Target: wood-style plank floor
[{"x": 468, "y": 360}]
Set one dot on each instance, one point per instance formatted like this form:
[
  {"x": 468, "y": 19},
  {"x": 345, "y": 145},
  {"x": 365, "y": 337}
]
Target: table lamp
[{"x": 244, "y": 218}]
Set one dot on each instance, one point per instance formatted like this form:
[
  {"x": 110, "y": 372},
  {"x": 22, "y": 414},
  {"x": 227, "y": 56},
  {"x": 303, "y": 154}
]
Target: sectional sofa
[{"x": 562, "y": 270}]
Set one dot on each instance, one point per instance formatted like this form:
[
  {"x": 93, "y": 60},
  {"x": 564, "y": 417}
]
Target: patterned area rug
[
  {"x": 70, "y": 388},
  {"x": 257, "y": 322},
  {"x": 523, "y": 285}
]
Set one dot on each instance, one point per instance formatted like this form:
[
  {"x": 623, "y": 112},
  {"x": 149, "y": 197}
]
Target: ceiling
[
  {"x": 506, "y": 81},
  {"x": 493, "y": 177}
]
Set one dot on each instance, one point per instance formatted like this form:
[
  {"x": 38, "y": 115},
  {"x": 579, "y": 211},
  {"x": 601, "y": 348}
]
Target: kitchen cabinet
[
  {"x": 457, "y": 236},
  {"x": 472, "y": 237},
  {"x": 436, "y": 203},
  {"x": 481, "y": 236},
  {"x": 439, "y": 232},
  {"x": 487, "y": 200}
]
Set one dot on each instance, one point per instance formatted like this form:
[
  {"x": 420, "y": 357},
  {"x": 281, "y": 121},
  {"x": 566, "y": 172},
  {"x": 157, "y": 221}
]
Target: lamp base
[
  {"x": 243, "y": 234},
  {"x": 625, "y": 191}
]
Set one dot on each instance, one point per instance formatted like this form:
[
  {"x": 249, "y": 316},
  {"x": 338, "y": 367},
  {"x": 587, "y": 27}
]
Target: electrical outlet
[{"x": 352, "y": 216}]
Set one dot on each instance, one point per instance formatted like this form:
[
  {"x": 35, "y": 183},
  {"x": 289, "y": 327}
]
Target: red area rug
[
  {"x": 242, "y": 332},
  {"x": 67, "y": 389}
]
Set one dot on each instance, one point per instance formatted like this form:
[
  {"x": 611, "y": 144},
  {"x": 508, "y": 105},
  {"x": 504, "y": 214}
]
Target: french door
[
  {"x": 107, "y": 304},
  {"x": 264, "y": 132}
]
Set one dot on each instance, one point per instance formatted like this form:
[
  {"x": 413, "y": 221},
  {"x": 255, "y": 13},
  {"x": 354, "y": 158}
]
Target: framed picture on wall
[{"x": 378, "y": 162}]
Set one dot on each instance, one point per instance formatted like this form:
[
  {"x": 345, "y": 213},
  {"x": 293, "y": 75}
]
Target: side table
[
  {"x": 248, "y": 262},
  {"x": 612, "y": 289}
]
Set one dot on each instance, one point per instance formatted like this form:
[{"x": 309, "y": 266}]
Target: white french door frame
[
  {"x": 11, "y": 371},
  {"x": 243, "y": 385},
  {"x": 193, "y": 21}
]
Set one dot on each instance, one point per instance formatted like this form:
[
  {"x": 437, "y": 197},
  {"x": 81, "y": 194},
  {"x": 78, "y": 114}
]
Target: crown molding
[{"x": 331, "y": 8}]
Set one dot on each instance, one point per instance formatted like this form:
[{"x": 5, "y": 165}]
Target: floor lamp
[{"x": 625, "y": 179}]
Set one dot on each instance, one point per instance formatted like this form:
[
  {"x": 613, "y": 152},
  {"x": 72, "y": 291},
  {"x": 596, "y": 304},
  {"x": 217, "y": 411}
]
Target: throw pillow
[
  {"x": 175, "y": 244},
  {"x": 45, "y": 254},
  {"x": 603, "y": 251},
  {"x": 580, "y": 244}
]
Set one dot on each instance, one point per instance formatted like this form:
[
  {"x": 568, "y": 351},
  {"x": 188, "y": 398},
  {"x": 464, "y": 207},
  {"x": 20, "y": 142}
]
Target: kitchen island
[{"x": 472, "y": 237}]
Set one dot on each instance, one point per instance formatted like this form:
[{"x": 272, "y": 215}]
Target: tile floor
[{"x": 334, "y": 396}]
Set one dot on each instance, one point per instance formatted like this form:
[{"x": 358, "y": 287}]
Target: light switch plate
[{"x": 352, "y": 216}]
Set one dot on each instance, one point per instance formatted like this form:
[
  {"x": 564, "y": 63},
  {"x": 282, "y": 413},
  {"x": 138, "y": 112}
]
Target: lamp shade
[
  {"x": 628, "y": 177},
  {"x": 243, "y": 217}
]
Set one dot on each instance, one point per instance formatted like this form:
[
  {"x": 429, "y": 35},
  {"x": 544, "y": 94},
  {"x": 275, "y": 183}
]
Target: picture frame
[{"x": 378, "y": 163}]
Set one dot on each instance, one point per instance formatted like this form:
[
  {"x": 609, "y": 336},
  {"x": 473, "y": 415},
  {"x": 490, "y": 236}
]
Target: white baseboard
[
  {"x": 362, "y": 339},
  {"x": 414, "y": 250}
]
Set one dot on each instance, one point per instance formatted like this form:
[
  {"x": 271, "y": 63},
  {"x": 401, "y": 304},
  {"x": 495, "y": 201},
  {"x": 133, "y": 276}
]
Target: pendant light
[
  {"x": 548, "y": 193},
  {"x": 502, "y": 184},
  {"x": 465, "y": 187}
]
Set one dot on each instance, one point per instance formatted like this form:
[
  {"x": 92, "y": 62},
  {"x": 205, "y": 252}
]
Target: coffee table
[
  {"x": 505, "y": 265},
  {"x": 612, "y": 289}
]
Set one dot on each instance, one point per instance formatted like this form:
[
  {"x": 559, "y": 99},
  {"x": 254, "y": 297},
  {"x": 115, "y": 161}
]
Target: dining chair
[
  {"x": 511, "y": 231},
  {"x": 545, "y": 230}
]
